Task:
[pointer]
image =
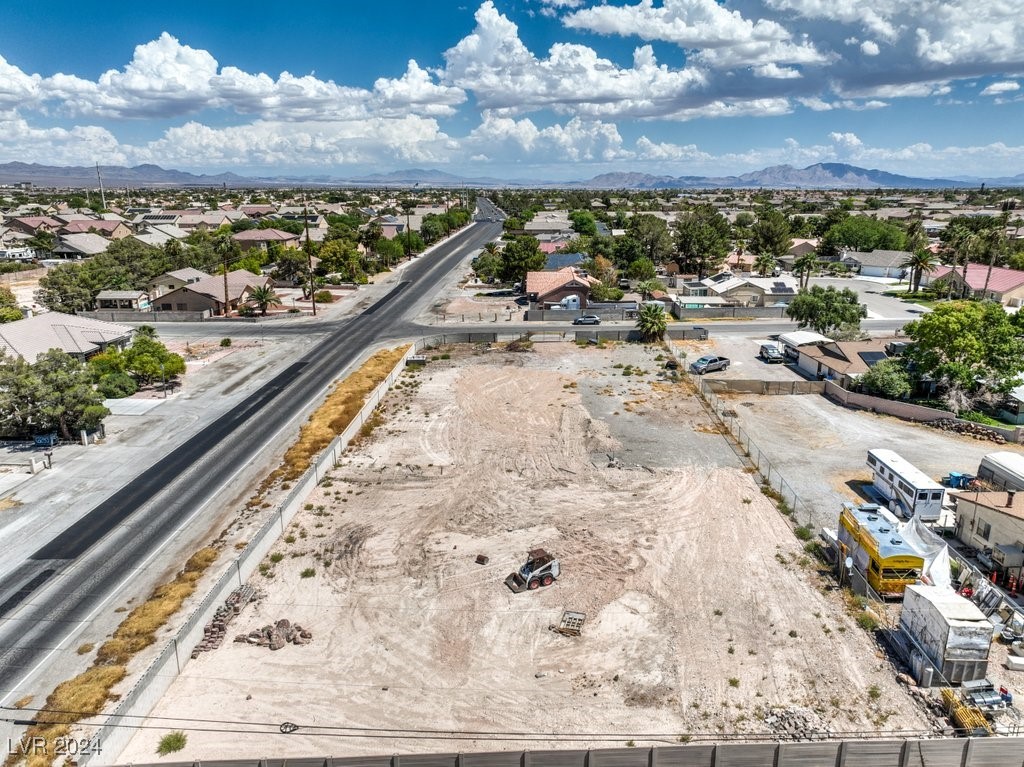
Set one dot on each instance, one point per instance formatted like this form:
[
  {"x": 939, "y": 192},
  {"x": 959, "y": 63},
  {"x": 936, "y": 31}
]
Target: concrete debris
[
  {"x": 797, "y": 723},
  {"x": 970, "y": 429},
  {"x": 215, "y": 631},
  {"x": 276, "y": 636}
]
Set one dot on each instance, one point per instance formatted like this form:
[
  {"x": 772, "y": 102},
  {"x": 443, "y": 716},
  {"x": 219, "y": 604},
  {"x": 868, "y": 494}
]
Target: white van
[{"x": 1003, "y": 470}]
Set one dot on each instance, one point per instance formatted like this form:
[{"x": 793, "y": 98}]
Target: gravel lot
[
  {"x": 702, "y": 614},
  {"x": 821, "y": 448}
]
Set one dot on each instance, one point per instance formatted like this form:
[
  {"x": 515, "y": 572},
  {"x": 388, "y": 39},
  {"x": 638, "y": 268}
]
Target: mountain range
[{"x": 818, "y": 176}]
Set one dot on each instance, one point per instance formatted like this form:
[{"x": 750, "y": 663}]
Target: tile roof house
[
  {"x": 179, "y": 278},
  {"x": 112, "y": 230},
  {"x": 841, "y": 361},
  {"x": 81, "y": 245},
  {"x": 207, "y": 294},
  {"x": 1003, "y": 285},
  {"x": 552, "y": 287},
  {"x": 262, "y": 238},
  {"x": 34, "y": 224},
  {"x": 744, "y": 291},
  {"x": 878, "y": 263},
  {"x": 80, "y": 337},
  {"x": 124, "y": 300}
]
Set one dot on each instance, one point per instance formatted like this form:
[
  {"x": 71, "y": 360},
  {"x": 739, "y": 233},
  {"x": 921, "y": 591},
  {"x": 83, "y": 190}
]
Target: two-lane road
[{"x": 65, "y": 582}]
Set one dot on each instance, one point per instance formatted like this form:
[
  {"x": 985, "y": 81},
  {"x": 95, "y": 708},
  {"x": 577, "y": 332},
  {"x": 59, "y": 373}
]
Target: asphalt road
[{"x": 65, "y": 581}]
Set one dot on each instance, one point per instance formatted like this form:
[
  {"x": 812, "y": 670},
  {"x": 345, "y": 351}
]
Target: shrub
[
  {"x": 117, "y": 385},
  {"x": 171, "y": 742},
  {"x": 734, "y": 682},
  {"x": 867, "y": 621},
  {"x": 324, "y": 297},
  {"x": 276, "y": 557},
  {"x": 804, "y": 533},
  {"x": 309, "y": 572},
  {"x": 225, "y": 342}
]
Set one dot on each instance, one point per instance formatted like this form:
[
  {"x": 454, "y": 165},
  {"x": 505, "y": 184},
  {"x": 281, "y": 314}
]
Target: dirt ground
[
  {"x": 703, "y": 614},
  {"x": 821, "y": 447}
]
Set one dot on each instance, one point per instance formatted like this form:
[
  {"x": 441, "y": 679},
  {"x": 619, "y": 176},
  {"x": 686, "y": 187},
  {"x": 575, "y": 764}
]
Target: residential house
[
  {"x": 82, "y": 245},
  {"x": 801, "y": 247},
  {"x": 841, "y": 361},
  {"x": 878, "y": 263},
  {"x": 159, "y": 235},
  {"x": 33, "y": 225},
  {"x": 262, "y": 238},
  {"x": 390, "y": 226},
  {"x": 123, "y": 300},
  {"x": 171, "y": 281},
  {"x": 992, "y": 523},
  {"x": 258, "y": 211},
  {"x": 80, "y": 337},
  {"x": 556, "y": 261},
  {"x": 743, "y": 291},
  {"x": 1011, "y": 409},
  {"x": 792, "y": 343},
  {"x": 192, "y": 222},
  {"x": 112, "y": 230},
  {"x": 1000, "y": 284},
  {"x": 552, "y": 287},
  {"x": 208, "y": 294}
]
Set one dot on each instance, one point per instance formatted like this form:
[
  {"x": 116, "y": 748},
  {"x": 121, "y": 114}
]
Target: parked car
[
  {"x": 709, "y": 363},
  {"x": 771, "y": 353},
  {"x": 587, "y": 319}
]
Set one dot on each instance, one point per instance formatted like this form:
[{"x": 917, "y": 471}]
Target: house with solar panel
[
  {"x": 731, "y": 290},
  {"x": 841, "y": 361}
]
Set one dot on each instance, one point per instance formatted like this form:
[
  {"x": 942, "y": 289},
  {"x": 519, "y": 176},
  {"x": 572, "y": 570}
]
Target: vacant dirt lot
[{"x": 702, "y": 614}]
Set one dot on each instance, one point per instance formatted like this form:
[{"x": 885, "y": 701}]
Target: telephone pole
[{"x": 309, "y": 254}]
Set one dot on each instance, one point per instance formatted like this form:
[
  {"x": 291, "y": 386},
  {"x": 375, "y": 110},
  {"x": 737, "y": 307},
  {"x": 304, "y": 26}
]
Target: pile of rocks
[
  {"x": 975, "y": 430},
  {"x": 215, "y": 631},
  {"x": 797, "y": 723},
  {"x": 277, "y": 636}
]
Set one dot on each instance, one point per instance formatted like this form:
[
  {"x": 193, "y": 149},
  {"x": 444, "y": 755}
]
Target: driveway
[{"x": 880, "y": 307}]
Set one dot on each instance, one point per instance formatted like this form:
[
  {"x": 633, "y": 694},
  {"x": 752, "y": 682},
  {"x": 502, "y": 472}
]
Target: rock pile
[
  {"x": 975, "y": 430},
  {"x": 797, "y": 723},
  {"x": 215, "y": 631},
  {"x": 277, "y": 636}
]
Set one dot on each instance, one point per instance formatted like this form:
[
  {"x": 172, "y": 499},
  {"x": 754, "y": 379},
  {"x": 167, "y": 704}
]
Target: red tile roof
[
  {"x": 542, "y": 283},
  {"x": 104, "y": 227},
  {"x": 1000, "y": 281}
]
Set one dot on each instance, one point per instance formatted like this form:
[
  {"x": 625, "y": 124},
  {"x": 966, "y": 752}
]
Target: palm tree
[
  {"x": 264, "y": 297},
  {"x": 918, "y": 263},
  {"x": 652, "y": 322},
  {"x": 764, "y": 264},
  {"x": 993, "y": 241},
  {"x": 370, "y": 236},
  {"x": 491, "y": 248},
  {"x": 804, "y": 267},
  {"x": 962, "y": 242},
  {"x": 646, "y": 288}
]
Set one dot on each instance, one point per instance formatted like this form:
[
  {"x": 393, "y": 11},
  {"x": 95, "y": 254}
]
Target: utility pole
[
  {"x": 103, "y": 197},
  {"x": 227, "y": 305},
  {"x": 309, "y": 254}
]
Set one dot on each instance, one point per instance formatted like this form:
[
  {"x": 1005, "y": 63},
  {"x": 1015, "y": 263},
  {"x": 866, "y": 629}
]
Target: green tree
[
  {"x": 263, "y": 297},
  {"x": 971, "y": 348},
  {"x": 149, "y": 360},
  {"x": 642, "y": 269},
  {"x": 919, "y": 263},
  {"x": 646, "y": 288},
  {"x": 68, "y": 400},
  {"x": 702, "y": 240},
  {"x": 20, "y": 395},
  {"x": 826, "y": 309},
  {"x": 652, "y": 235},
  {"x": 887, "y": 378},
  {"x": 652, "y": 322},
  {"x": 765, "y": 264},
  {"x": 520, "y": 256},
  {"x": 292, "y": 266},
  {"x": 804, "y": 266},
  {"x": 862, "y": 233},
  {"x": 583, "y": 222},
  {"x": 770, "y": 235}
]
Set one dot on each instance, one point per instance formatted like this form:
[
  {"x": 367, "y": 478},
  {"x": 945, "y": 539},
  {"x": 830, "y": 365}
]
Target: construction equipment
[
  {"x": 967, "y": 718},
  {"x": 541, "y": 569}
]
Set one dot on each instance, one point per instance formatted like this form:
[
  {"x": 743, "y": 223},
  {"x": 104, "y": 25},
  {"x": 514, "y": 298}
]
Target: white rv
[
  {"x": 1003, "y": 470},
  {"x": 908, "y": 490}
]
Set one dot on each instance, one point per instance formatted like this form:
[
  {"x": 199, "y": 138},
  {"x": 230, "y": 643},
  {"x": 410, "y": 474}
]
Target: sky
[{"x": 553, "y": 90}]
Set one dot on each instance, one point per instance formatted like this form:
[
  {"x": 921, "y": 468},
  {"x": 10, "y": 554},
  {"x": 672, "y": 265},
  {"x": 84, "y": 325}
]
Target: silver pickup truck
[{"x": 709, "y": 363}]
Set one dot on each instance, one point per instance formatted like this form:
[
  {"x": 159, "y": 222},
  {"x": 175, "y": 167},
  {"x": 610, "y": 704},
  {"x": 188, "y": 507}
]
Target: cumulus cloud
[
  {"x": 870, "y": 48},
  {"x": 576, "y": 141},
  {"x": 1000, "y": 88},
  {"x": 417, "y": 90},
  {"x": 16, "y": 87}
]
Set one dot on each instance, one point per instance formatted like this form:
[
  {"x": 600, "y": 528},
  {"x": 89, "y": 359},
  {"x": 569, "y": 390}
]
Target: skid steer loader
[{"x": 541, "y": 569}]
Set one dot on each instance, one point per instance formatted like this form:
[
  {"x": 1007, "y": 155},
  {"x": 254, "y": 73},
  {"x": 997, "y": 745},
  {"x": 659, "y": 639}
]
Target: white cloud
[
  {"x": 723, "y": 38},
  {"x": 81, "y": 145},
  {"x": 661, "y": 151},
  {"x": 999, "y": 88},
  {"x": 16, "y": 87},
  {"x": 416, "y": 89},
  {"x": 846, "y": 140},
  {"x": 576, "y": 141},
  {"x": 870, "y": 48}
]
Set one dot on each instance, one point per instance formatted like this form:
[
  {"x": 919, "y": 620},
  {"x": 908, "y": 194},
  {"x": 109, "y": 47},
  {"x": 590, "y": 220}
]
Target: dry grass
[
  {"x": 9, "y": 503},
  {"x": 84, "y": 695},
  {"x": 85, "y": 648},
  {"x": 331, "y": 418},
  {"x": 22, "y": 702}
]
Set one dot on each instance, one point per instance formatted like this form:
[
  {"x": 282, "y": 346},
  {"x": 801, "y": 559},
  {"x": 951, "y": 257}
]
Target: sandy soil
[{"x": 702, "y": 613}]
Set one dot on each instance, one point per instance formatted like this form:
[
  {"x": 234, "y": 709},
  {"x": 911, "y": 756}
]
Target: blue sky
[{"x": 518, "y": 89}]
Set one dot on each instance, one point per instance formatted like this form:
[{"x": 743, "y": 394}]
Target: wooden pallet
[{"x": 571, "y": 624}]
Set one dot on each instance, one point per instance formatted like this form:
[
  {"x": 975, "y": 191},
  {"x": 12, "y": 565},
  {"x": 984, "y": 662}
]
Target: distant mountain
[
  {"x": 113, "y": 175},
  {"x": 820, "y": 176}
]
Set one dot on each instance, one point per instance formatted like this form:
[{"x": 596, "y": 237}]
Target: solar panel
[{"x": 872, "y": 358}]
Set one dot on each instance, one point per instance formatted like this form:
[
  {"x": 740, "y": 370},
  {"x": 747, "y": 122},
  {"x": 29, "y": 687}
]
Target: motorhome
[
  {"x": 908, "y": 490},
  {"x": 1002, "y": 470}
]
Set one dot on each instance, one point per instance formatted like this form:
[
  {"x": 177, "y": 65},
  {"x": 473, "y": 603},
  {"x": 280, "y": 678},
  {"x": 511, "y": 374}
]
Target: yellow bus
[{"x": 871, "y": 538}]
